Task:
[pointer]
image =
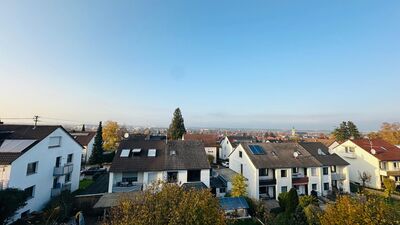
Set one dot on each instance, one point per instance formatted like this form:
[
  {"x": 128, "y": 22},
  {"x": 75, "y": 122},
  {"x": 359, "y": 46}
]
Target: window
[
  {"x": 193, "y": 175},
  {"x": 284, "y": 189},
  {"x": 68, "y": 178},
  {"x": 55, "y": 183},
  {"x": 30, "y": 191},
  {"x": 151, "y": 177},
  {"x": 222, "y": 190},
  {"x": 314, "y": 172},
  {"x": 326, "y": 186},
  {"x": 129, "y": 177},
  {"x": 383, "y": 165},
  {"x": 241, "y": 169},
  {"x": 295, "y": 170},
  {"x": 395, "y": 165},
  {"x": 333, "y": 169},
  {"x": 240, "y": 154},
  {"x": 58, "y": 161},
  {"x": 263, "y": 172},
  {"x": 397, "y": 179},
  {"x": 69, "y": 158},
  {"x": 54, "y": 142},
  {"x": 283, "y": 173},
  {"x": 325, "y": 171},
  {"x": 31, "y": 168},
  {"x": 349, "y": 149},
  {"x": 172, "y": 177},
  {"x": 314, "y": 187}
]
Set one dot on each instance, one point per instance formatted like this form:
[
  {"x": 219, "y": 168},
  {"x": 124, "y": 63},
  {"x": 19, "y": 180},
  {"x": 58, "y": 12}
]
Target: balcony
[
  {"x": 299, "y": 180},
  {"x": 62, "y": 170},
  {"x": 393, "y": 172},
  {"x": 350, "y": 155},
  {"x": 338, "y": 176},
  {"x": 267, "y": 181},
  {"x": 130, "y": 187},
  {"x": 3, "y": 184},
  {"x": 55, "y": 191}
]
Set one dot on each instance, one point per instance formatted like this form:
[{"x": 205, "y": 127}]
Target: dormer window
[
  {"x": 54, "y": 142},
  {"x": 136, "y": 152},
  {"x": 152, "y": 153}
]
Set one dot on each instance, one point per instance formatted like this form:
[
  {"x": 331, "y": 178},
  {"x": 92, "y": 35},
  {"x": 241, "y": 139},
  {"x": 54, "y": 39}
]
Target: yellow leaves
[
  {"x": 111, "y": 135},
  {"x": 239, "y": 186}
]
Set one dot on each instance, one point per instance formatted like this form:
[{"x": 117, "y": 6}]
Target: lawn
[{"x": 83, "y": 184}]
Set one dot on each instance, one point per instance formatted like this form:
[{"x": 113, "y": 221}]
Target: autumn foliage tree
[
  {"x": 163, "y": 204},
  {"x": 239, "y": 186},
  {"x": 111, "y": 135},
  {"x": 366, "y": 210},
  {"x": 389, "y": 132}
]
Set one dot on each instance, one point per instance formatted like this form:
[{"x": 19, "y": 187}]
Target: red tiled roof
[
  {"x": 209, "y": 140},
  {"x": 384, "y": 150}
]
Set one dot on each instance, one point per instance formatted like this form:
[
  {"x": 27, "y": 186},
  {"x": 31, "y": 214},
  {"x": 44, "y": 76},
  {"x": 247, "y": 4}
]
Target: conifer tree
[
  {"x": 177, "y": 128},
  {"x": 97, "y": 153}
]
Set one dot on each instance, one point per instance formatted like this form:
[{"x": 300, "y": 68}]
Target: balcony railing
[
  {"x": 3, "y": 184},
  {"x": 338, "y": 176},
  {"x": 62, "y": 170},
  {"x": 300, "y": 180},
  {"x": 297, "y": 175},
  {"x": 60, "y": 188},
  {"x": 350, "y": 155},
  {"x": 127, "y": 188},
  {"x": 267, "y": 181}
]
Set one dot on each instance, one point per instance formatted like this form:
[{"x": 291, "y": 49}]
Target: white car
[{"x": 226, "y": 164}]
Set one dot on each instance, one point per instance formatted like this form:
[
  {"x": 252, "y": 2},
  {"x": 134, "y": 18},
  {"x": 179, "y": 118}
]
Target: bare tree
[{"x": 364, "y": 177}]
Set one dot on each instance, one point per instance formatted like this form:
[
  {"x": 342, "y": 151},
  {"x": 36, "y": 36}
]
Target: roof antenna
[{"x": 36, "y": 120}]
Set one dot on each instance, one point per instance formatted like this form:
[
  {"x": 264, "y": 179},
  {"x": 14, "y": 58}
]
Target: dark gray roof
[
  {"x": 217, "y": 182},
  {"x": 327, "y": 160},
  {"x": 280, "y": 155},
  {"x": 194, "y": 185},
  {"x": 233, "y": 203},
  {"x": 188, "y": 155},
  {"x": 15, "y": 132}
]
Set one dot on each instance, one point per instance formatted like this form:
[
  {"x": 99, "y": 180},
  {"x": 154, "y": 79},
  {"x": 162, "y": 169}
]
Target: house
[
  {"x": 86, "y": 139},
  {"x": 42, "y": 160},
  {"x": 229, "y": 143},
  {"x": 138, "y": 163},
  {"x": 210, "y": 142},
  {"x": 221, "y": 181},
  {"x": 235, "y": 207},
  {"x": 376, "y": 157},
  {"x": 273, "y": 168}
]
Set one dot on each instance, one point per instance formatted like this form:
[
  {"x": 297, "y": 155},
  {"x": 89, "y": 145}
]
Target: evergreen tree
[
  {"x": 346, "y": 131},
  {"x": 353, "y": 130},
  {"x": 97, "y": 153},
  {"x": 177, "y": 128},
  {"x": 292, "y": 201},
  {"x": 83, "y": 128}
]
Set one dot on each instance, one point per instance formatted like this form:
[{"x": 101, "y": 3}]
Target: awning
[{"x": 109, "y": 200}]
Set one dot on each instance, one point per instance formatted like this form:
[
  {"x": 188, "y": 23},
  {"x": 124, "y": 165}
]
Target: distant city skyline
[{"x": 226, "y": 64}]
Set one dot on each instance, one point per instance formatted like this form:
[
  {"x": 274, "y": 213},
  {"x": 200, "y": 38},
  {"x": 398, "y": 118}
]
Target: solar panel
[
  {"x": 125, "y": 152},
  {"x": 15, "y": 146},
  {"x": 256, "y": 149}
]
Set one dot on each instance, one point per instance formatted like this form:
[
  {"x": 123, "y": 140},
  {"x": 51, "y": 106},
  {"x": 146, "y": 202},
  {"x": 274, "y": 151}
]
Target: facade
[
  {"x": 375, "y": 157},
  {"x": 273, "y": 168},
  {"x": 139, "y": 163},
  {"x": 42, "y": 160},
  {"x": 210, "y": 142},
  {"x": 86, "y": 139},
  {"x": 229, "y": 143}
]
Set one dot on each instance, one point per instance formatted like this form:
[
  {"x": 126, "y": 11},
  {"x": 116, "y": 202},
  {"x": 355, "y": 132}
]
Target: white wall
[
  {"x": 363, "y": 162},
  {"x": 43, "y": 179},
  {"x": 226, "y": 148},
  {"x": 212, "y": 151}
]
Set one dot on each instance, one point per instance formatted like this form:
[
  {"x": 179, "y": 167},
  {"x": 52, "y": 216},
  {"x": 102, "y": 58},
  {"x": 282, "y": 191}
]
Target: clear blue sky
[{"x": 256, "y": 64}]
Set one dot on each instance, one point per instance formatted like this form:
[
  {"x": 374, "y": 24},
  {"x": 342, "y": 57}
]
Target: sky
[{"x": 232, "y": 64}]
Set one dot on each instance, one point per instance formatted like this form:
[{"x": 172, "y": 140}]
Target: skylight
[
  {"x": 151, "y": 153},
  {"x": 125, "y": 152},
  {"x": 256, "y": 149}
]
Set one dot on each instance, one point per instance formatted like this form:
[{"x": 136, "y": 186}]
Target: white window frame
[{"x": 54, "y": 141}]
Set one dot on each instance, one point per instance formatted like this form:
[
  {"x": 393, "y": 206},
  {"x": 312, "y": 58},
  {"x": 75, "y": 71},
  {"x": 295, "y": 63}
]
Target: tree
[
  {"x": 345, "y": 131},
  {"x": 239, "y": 186},
  {"x": 307, "y": 200},
  {"x": 97, "y": 153},
  {"x": 210, "y": 158},
  {"x": 11, "y": 200},
  {"x": 83, "y": 128},
  {"x": 59, "y": 208},
  {"x": 390, "y": 187},
  {"x": 292, "y": 201},
  {"x": 111, "y": 136},
  {"x": 368, "y": 210},
  {"x": 177, "y": 128},
  {"x": 168, "y": 204},
  {"x": 389, "y": 132},
  {"x": 364, "y": 178}
]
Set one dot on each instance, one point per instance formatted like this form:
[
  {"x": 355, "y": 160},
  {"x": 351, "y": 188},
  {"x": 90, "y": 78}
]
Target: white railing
[
  {"x": 338, "y": 176},
  {"x": 62, "y": 170},
  {"x": 297, "y": 175},
  {"x": 3, "y": 184}
]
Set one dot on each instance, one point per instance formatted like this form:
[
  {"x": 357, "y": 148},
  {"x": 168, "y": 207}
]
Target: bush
[
  {"x": 59, "y": 208},
  {"x": 306, "y": 200},
  {"x": 354, "y": 188}
]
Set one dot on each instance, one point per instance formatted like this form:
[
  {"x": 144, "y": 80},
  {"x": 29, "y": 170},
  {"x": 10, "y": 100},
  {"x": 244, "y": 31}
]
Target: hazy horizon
[{"x": 260, "y": 64}]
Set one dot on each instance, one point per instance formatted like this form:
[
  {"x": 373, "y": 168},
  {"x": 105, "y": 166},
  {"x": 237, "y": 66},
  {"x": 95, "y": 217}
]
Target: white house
[
  {"x": 139, "y": 163},
  {"x": 42, "y": 160},
  {"x": 229, "y": 143},
  {"x": 86, "y": 139},
  {"x": 375, "y": 157},
  {"x": 210, "y": 142},
  {"x": 273, "y": 168}
]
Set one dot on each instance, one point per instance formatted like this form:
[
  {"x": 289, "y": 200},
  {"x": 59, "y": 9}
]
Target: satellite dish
[
  {"x": 373, "y": 152},
  {"x": 295, "y": 154},
  {"x": 126, "y": 135}
]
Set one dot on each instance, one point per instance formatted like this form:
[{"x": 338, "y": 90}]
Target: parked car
[
  {"x": 94, "y": 170},
  {"x": 225, "y": 164}
]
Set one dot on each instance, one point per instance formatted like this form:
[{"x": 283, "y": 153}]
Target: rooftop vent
[
  {"x": 296, "y": 154},
  {"x": 320, "y": 152}
]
